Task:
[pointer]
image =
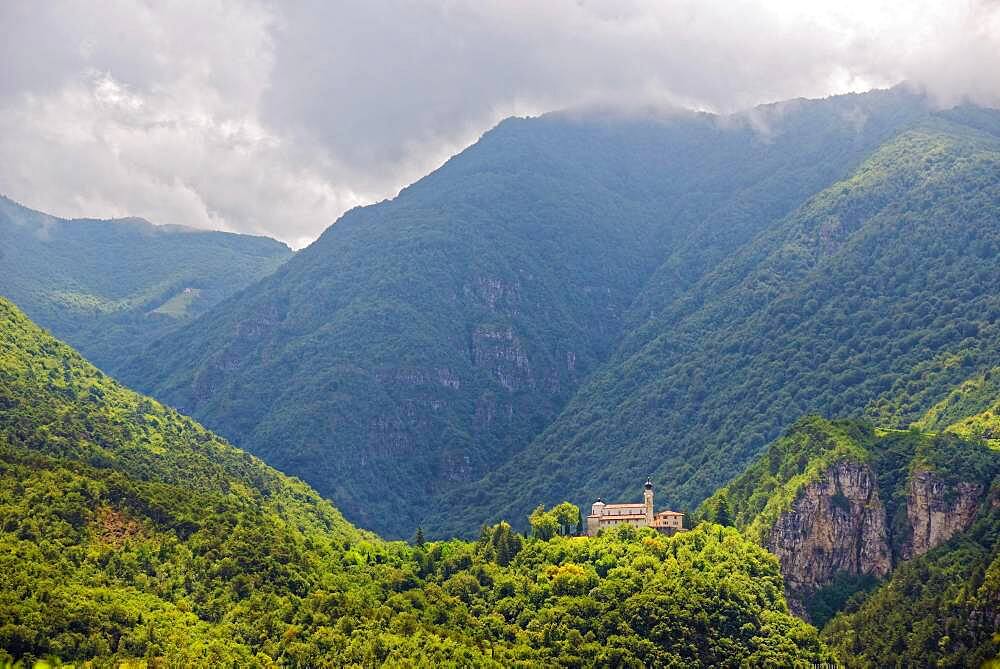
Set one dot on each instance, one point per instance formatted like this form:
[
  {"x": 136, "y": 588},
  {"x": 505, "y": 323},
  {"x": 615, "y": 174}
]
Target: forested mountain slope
[
  {"x": 110, "y": 286},
  {"x": 422, "y": 342},
  {"x": 131, "y": 535},
  {"x": 895, "y": 532},
  {"x": 942, "y": 607},
  {"x": 972, "y": 410},
  {"x": 945, "y": 604},
  {"x": 873, "y": 298}
]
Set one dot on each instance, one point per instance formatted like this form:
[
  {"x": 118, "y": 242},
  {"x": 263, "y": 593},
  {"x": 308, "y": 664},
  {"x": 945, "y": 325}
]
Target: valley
[{"x": 344, "y": 456}]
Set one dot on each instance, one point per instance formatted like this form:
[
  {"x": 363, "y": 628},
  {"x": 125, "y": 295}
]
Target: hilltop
[{"x": 110, "y": 286}]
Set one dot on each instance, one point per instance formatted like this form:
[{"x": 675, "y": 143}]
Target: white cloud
[{"x": 276, "y": 117}]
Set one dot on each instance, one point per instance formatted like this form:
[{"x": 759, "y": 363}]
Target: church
[{"x": 640, "y": 514}]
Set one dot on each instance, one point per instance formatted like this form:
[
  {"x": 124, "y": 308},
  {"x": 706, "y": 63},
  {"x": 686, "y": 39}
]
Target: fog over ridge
[{"x": 274, "y": 118}]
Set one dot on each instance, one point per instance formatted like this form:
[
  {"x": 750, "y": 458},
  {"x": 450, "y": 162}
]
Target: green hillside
[
  {"x": 940, "y": 609},
  {"x": 424, "y": 342},
  {"x": 943, "y": 606},
  {"x": 936, "y": 609},
  {"x": 110, "y": 286},
  {"x": 972, "y": 410},
  {"x": 871, "y": 299},
  {"x": 128, "y": 533}
]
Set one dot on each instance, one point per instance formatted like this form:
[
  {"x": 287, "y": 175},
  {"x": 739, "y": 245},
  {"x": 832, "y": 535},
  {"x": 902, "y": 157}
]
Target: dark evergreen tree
[{"x": 722, "y": 512}]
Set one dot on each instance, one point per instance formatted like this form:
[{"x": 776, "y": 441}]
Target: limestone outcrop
[
  {"x": 837, "y": 525},
  {"x": 937, "y": 510}
]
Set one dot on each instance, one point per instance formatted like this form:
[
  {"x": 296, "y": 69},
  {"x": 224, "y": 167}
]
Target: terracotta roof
[{"x": 638, "y": 505}]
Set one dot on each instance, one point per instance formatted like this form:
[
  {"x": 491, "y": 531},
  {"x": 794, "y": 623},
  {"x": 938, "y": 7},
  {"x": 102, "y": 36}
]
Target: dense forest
[
  {"x": 785, "y": 318},
  {"x": 425, "y": 341},
  {"x": 871, "y": 300},
  {"x": 942, "y": 608},
  {"x": 110, "y": 286},
  {"x": 129, "y": 532}
]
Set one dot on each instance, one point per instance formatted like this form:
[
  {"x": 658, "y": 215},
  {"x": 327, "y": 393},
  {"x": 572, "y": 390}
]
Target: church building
[{"x": 603, "y": 515}]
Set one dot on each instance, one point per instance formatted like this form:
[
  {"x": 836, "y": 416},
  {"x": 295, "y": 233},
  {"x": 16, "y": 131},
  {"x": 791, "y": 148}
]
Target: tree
[
  {"x": 418, "y": 538},
  {"x": 506, "y": 543},
  {"x": 722, "y": 514},
  {"x": 544, "y": 524},
  {"x": 567, "y": 515}
]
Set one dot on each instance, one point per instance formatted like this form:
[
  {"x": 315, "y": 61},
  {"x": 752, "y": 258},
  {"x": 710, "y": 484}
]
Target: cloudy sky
[{"x": 275, "y": 117}]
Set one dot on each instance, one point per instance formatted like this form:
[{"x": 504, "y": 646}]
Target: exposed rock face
[
  {"x": 937, "y": 511},
  {"x": 388, "y": 436},
  {"x": 415, "y": 377},
  {"x": 495, "y": 294},
  {"x": 837, "y": 525},
  {"x": 499, "y": 350}
]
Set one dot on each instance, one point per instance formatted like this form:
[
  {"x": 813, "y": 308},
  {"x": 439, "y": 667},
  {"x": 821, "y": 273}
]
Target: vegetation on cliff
[
  {"x": 940, "y": 604},
  {"x": 940, "y": 609}
]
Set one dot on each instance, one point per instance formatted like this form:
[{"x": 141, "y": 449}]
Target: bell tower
[{"x": 647, "y": 497}]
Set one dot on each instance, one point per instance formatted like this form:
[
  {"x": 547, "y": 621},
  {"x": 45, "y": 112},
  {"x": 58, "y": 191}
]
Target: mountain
[
  {"x": 129, "y": 529},
  {"x": 110, "y": 286},
  {"x": 871, "y": 299},
  {"x": 892, "y": 534},
  {"x": 422, "y": 344},
  {"x": 941, "y": 608},
  {"x": 130, "y": 535}
]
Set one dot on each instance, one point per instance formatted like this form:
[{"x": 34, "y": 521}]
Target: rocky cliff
[
  {"x": 837, "y": 525},
  {"x": 937, "y": 510}
]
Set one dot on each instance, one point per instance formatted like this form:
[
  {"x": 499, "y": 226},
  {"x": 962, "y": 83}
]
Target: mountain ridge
[
  {"x": 101, "y": 283},
  {"x": 697, "y": 352},
  {"x": 421, "y": 342}
]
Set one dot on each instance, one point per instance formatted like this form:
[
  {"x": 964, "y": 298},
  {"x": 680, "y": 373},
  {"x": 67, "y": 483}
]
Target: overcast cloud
[{"x": 273, "y": 118}]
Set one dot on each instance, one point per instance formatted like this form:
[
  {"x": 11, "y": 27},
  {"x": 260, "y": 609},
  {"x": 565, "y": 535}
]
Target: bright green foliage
[
  {"x": 110, "y": 286},
  {"x": 940, "y": 609},
  {"x": 128, "y": 532},
  {"x": 772, "y": 482},
  {"x": 871, "y": 300},
  {"x": 544, "y": 524},
  {"x": 972, "y": 410},
  {"x": 563, "y": 520},
  {"x": 422, "y": 342},
  {"x": 499, "y": 543}
]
